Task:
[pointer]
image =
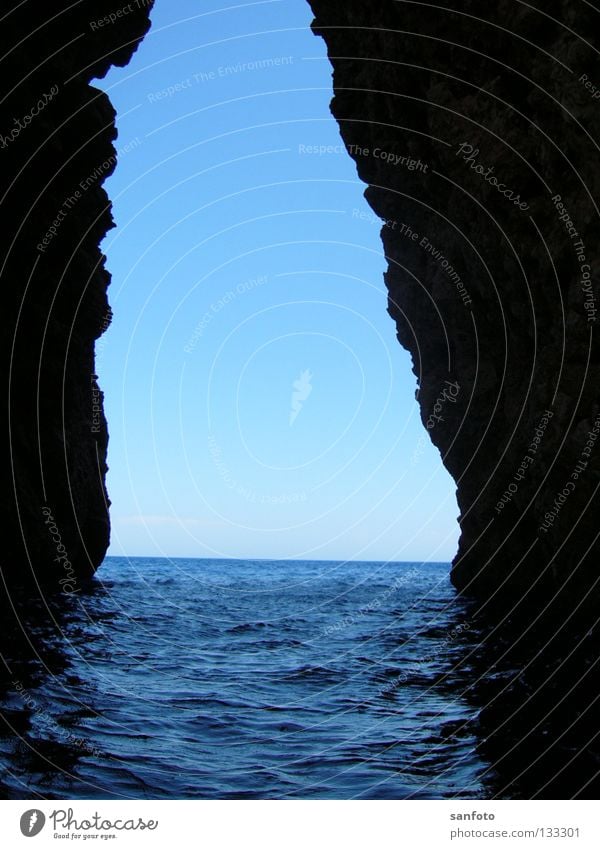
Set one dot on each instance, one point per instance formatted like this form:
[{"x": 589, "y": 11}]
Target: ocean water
[{"x": 223, "y": 679}]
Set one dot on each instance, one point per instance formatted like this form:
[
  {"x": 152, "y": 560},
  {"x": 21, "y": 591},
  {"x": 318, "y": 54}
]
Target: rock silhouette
[
  {"x": 476, "y": 132},
  {"x": 56, "y": 149}
]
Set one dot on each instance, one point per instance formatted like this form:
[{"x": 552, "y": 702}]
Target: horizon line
[{"x": 267, "y": 559}]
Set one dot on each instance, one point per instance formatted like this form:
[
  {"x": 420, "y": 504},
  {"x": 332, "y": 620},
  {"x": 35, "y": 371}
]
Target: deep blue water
[{"x": 247, "y": 679}]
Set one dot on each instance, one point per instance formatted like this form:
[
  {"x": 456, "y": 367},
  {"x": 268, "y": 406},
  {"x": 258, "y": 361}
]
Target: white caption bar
[{"x": 301, "y": 824}]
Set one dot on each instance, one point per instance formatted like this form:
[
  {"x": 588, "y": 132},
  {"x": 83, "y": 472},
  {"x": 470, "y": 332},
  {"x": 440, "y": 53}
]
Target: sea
[{"x": 245, "y": 679}]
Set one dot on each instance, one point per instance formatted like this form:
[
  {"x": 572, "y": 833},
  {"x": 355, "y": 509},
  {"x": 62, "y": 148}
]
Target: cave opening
[{"x": 259, "y": 403}]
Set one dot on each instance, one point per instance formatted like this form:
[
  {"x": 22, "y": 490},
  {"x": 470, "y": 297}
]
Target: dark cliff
[
  {"x": 56, "y": 150},
  {"x": 476, "y": 129}
]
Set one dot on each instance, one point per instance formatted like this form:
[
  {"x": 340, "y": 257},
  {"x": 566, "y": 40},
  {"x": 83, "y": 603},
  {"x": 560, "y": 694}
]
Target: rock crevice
[
  {"x": 56, "y": 150},
  {"x": 476, "y": 133}
]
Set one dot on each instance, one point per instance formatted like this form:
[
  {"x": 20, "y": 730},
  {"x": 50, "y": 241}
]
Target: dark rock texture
[
  {"x": 476, "y": 128},
  {"x": 56, "y": 149}
]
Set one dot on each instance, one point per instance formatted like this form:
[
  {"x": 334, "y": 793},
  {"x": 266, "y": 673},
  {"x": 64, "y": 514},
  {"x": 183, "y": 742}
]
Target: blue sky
[{"x": 259, "y": 404}]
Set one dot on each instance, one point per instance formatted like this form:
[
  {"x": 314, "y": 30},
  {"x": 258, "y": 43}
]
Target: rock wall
[
  {"x": 56, "y": 150},
  {"x": 476, "y": 128}
]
